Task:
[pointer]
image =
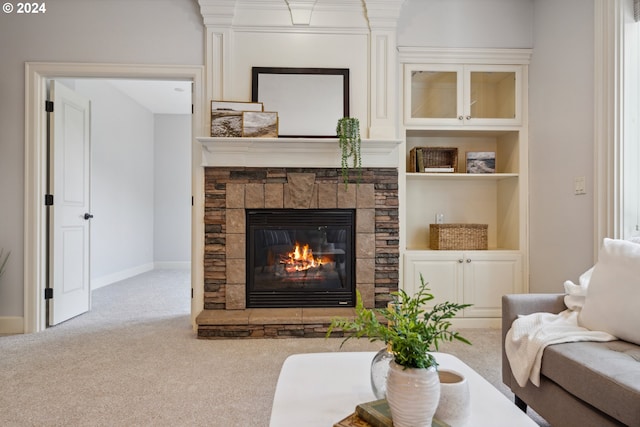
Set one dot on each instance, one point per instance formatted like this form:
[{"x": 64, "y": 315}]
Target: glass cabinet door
[
  {"x": 433, "y": 94},
  {"x": 492, "y": 95}
]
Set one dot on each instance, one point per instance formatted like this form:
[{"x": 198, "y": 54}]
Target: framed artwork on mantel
[
  {"x": 309, "y": 101},
  {"x": 262, "y": 124}
]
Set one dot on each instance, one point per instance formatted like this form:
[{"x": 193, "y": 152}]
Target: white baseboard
[
  {"x": 11, "y": 325},
  {"x": 99, "y": 282},
  {"x": 173, "y": 265}
]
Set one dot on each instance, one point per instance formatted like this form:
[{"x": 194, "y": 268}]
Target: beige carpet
[{"x": 134, "y": 361}]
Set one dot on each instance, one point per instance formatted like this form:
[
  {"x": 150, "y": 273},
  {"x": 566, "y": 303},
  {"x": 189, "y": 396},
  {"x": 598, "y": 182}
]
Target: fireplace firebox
[{"x": 300, "y": 258}]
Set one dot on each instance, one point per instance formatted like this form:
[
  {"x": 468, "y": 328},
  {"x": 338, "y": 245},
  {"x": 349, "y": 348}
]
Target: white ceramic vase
[
  {"x": 454, "y": 406},
  {"x": 413, "y": 395}
]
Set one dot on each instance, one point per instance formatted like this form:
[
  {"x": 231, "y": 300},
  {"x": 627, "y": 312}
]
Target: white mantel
[{"x": 293, "y": 152}]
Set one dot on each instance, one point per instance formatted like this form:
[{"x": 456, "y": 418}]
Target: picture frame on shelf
[
  {"x": 481, "y": 162},
  {"x": 226, "y": 123},
  {"x": 259, "y": 124}
]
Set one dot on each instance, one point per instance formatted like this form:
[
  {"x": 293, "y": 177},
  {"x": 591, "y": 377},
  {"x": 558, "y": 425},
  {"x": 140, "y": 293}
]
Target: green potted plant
[
  {"x": 411, "y": 333},
  {"x": 348, "y": 131}
]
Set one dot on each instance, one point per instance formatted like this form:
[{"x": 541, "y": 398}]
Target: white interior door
[{"x": 69, "y": 175}]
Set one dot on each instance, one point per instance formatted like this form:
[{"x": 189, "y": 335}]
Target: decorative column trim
[
  {"x": 218, "y": 18},
  {"x": 382, "y": 16}
]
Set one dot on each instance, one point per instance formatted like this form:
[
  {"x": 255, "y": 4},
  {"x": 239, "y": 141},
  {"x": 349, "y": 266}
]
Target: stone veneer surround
[{"x": 231, "y": 190}]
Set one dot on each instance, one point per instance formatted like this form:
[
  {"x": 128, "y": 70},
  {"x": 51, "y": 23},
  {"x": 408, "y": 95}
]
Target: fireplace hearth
[{"x": 300, "y": 258}]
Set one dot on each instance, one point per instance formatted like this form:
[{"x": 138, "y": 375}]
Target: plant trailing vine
[{"x": 348, "y": 131}]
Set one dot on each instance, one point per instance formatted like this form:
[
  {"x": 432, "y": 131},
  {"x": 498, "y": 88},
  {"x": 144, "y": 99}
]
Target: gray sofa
[{"x": 581, "y": 384}]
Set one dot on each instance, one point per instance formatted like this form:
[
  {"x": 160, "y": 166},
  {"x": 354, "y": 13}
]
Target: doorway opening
[
  {"x": 139, "y": 184},
  {"x": 38, "y": 74}
]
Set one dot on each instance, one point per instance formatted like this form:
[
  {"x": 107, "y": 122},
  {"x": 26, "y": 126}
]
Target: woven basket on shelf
[
  {"x": 442, "y": 159},
  {"x": 458, "y": 236}
]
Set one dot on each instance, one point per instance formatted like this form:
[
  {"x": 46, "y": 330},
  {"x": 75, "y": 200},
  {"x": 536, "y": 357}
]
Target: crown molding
[
  {"x": 374, "y": 14},
  {"x": 408, "y": 54}
]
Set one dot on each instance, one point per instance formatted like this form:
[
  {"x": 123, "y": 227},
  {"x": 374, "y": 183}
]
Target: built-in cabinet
[
  {"x": 470, "y": 277},
  {"x": 474, "y": 101},
  {"x": 462, "y": 94}
]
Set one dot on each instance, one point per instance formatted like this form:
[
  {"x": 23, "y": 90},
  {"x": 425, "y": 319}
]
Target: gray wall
[
  {"x": 561, "y": 145},
  {"x": 172, "y": 190},
  {"x": 466, "y": 23}
]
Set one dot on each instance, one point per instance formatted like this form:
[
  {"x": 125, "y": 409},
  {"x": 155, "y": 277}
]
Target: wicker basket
[
  {"x": 436, "y": 159},
  {"x": 458, "y": 236}
]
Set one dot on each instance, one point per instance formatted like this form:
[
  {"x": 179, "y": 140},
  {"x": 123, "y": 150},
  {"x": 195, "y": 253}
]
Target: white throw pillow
[{"x": 612, "y": 303}]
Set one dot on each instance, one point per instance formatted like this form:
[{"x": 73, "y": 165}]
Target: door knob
[{"x": 88, "y": 216}]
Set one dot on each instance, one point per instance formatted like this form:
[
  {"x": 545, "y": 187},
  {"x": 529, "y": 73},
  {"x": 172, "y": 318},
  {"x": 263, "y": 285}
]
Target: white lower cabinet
[{"x": 467, "y": 277}]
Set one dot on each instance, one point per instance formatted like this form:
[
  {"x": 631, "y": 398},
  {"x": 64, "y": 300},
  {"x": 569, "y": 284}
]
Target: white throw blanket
[{"x": 531, "y": 334}]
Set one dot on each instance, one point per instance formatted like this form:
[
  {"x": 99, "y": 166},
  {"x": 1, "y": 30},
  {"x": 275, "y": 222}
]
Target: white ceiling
[{"x": 158, "y": 96}]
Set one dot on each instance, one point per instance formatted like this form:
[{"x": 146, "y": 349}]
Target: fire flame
[{"x": 300, "y": 259}]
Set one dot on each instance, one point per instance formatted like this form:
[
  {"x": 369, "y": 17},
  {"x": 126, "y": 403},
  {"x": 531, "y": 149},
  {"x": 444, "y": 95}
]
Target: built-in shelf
[
  {"x": 293, "y": 152},
  {"x": 428, "y": 251},
  {"x": 462, "y": 176}
]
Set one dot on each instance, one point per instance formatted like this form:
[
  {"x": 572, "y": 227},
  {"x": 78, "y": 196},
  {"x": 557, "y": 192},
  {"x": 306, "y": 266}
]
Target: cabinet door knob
[
  {"x": 468, "y": 117},
  {"x": 468, "y": 260},
  {"x": 460, "y": 118},
  {"x": 460, "y": 260}
]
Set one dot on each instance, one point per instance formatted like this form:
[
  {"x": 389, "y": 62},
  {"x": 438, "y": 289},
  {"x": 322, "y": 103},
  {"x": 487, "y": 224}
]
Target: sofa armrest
[{"x": 522, "y": 304}]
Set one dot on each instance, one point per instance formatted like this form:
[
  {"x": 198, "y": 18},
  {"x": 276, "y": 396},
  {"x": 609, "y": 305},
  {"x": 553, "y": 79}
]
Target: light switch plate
[{"x": 579, "y": 185}]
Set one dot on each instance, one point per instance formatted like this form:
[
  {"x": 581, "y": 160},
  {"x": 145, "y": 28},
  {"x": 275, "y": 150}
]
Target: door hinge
[
  {"x": 191, "y": 293},
  {"x": 48, "y": 199},
  {"x": 48, "y": 106},
  {"x": 48, "y": 293},
  {"x": 192, "y": 109}
]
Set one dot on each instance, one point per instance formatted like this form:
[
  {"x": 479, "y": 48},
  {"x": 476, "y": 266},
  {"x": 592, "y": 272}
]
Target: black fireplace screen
[{"x": 300, "y": 258}]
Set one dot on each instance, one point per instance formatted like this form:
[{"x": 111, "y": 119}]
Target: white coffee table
[{"x": 319, "y": 389}]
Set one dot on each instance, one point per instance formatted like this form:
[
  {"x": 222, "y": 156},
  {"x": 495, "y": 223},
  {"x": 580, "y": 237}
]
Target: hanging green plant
[{"x": 348, "y": 131}]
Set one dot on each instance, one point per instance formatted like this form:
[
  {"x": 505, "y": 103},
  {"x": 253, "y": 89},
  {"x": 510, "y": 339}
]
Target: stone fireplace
[{"x": 231, "y": 193}]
